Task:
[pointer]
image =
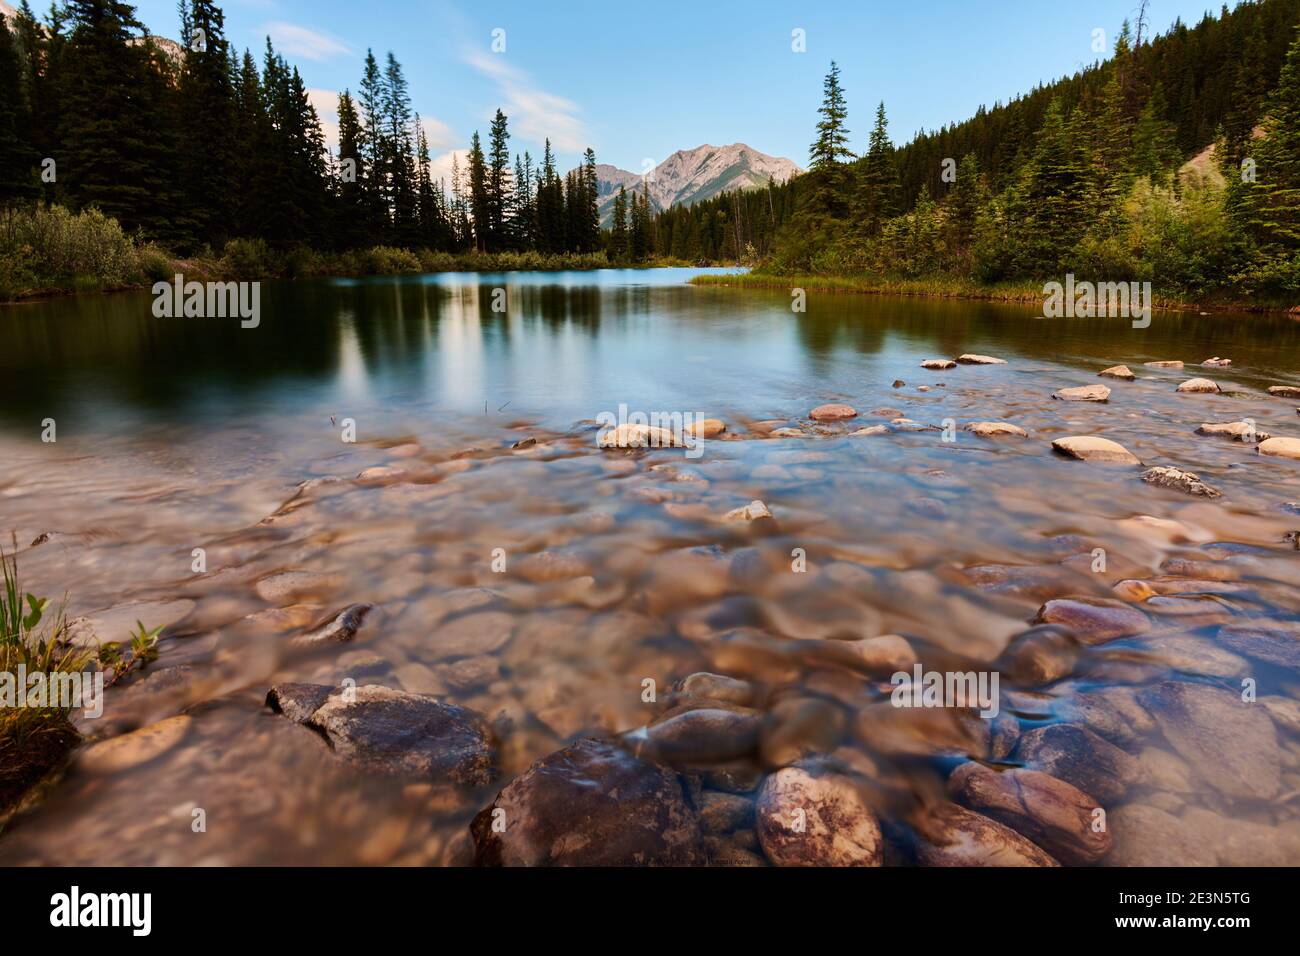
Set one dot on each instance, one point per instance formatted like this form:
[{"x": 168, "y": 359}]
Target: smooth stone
[
  {"x": 298, "y": 701},
  {"x": 1192, "y": 655},
  {"x": 705, "y": 735},
  {"x": 403, "y": 734},
  {"x": 1103, "y": 715},
  {"x": 1093, "y": 620},
  {"x": 1281, "y": 448},
  {"x": 119, "y": 623},
  {"x": 1175, "y": 479},
  {"x": 754, "y": 511},
  {"x": 706, "y": 428},
  {"x": 1122, "y": 372},
  {"x": 881, "y": 656},
  {"x": 136, "y": 748},
  {"x": 339, "y": 629},
  {"x": 1082, "y": 758},
  {"x": 724, "y": 812},
  {"x": 1147, "y": 836},
  {"x": 994, "y": 429},
  {"x": 832, "y": 413},
  {"x": 293, "y": 585},
  {"x": 1231, "y": 743},
  {"x": 630, "y": 435},
  {"x": 472, "y": 634},
  {"x": 949, "y": 836},
  {"x": 1237, "y": 431},
  {"x": 717, "y": 687},
  {"x": 787, "y": 433},
  {"x": 938, "y": 364},
  {"x": 1041, "y": 655},
  {"x": 898, "y": 383},
  {"x": 807, "y": 817},
  {"x": 871, "y": 430},
  {"x": 1083, "y": 393},
  {"x": 1027, "y": 581},
  {"x": 1051, "y": 813},
  {"x": 1165, "y": 364},
  {"x": 590, "y": 804},
  {"x": 1094, "y": 449},
  {"x": 1284, "y": 391},
  {"x": 1198, "y": 385},
  {"x": 1272, "y": 642},
  {"x": 971, "y": 359},
  {"x": 470, "y": 672}
]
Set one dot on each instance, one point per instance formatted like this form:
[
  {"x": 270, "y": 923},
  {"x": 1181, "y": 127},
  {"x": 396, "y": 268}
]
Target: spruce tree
[
  {"x": 478, "y": 194},
  {"x": 878, "y": 186},
  {"x": 16, "y": 154},
  {"x": 206, "y": 113},
  {"x": 498, "y": 183}
]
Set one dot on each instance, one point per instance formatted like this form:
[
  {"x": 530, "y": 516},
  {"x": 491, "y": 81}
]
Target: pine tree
[
  {"x": 478, "y": 194},
  {"x": 352, "y": 211},
  {"x": 591, "y": 188},
  {"x": 832, "y": 144},
  {"x": 206, "y": 113},
  {"x": 397, "y": 153},
  {"x": 1155, "y": 153},
  {"x": 498, "y": 183},
  {"x": 16, "y": 154},
  {"x": 373, "y": 148},
  {"x": 878, "y": 187}
]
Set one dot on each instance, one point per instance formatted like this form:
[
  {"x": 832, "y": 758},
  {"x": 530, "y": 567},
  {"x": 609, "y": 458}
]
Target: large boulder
[
  {"x": 807, "y": 817},
  {"x": 590, "y": 804},
  {"x": 1055, "y": 815},
  {"x": 393, "y": 732},
  {"x": 1281, "y": 448}
]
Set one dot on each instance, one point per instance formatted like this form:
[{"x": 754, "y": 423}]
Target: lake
[{"x": 513, "y": 568}]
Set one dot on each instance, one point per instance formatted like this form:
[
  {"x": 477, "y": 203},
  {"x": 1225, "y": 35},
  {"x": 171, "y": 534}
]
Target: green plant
[{"x": 143, "y": 647}]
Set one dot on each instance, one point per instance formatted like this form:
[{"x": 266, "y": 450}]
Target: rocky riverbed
[{"x": 506, "y": 645}]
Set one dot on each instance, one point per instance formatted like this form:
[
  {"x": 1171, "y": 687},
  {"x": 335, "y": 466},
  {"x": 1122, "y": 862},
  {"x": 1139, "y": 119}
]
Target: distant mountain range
[{"x": 692, "y": 175}]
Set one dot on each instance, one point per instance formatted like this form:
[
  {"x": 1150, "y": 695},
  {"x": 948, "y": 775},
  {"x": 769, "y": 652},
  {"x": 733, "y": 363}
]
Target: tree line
[{"x": 194, "y": 144}]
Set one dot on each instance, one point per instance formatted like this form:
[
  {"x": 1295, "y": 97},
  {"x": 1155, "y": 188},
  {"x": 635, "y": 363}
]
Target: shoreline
[{"x": 958, "y": 289}]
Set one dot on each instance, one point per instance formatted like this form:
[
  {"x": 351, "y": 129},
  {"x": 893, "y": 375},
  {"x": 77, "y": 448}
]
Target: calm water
[{"x": 175, "y": 434}]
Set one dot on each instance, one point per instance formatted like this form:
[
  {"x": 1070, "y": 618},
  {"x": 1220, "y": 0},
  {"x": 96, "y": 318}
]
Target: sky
[{"x": 638, "y": 81}]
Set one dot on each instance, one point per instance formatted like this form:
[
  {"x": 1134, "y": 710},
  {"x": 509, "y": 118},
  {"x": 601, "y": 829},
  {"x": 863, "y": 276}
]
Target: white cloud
[
  {"x": 304, "y": 42},
  {"x": 326, "y": 105},
  {"x": 535, "y": 114},
  {"x": 440, "y": 166}
]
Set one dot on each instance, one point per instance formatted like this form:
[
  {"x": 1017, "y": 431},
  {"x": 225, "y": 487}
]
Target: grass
[
  {"x": 34, "y": 741},
  {"x": 955, "y": 287}
]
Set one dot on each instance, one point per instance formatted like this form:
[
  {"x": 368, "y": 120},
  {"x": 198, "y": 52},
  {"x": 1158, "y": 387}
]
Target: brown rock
[
  {"x": 949, "y": 835},
  {"x": 1122, "y": 372},
  {"x": 1093, "y": 620},
  {"x": 1080, "y": 757},
  {"x": 832, "y": 413},
  {"x": 1083, "y": 393},
  {"x": 808, "y": 817},
  {"x": 1092, "y": 448}
]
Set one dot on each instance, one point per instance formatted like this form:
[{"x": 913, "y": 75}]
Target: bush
[
  {"x": 51, "y": 247},
  {"x": 248, "y": 259}
]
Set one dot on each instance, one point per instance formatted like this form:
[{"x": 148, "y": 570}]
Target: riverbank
[{"x": 950, "y": 287}]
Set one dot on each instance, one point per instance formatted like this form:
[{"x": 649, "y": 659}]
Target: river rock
[
  {"x": 700, "y": 736},
  {"x": 1083, "y": 393},
  {"x": 1093, "y": 620},
  {"x": 1231, "y": 743},
  {"x": 870, "y": 431},
  {"x": 1164, "y": 364},
  {"x": 971, "y": 359},
  {"x": 832, "y": 413},
  {"x": 469, "y": 672},
  {"x": 1237, "y": 431},
  {"x": 1284, "y": 391},
  {"x": 706, "y": 428},
  {"x": 1041, "y": 655},
  {"x": 949, "y": 835},
  {"x": 285, "y": 585},
  {"x": 754, "y": 511},
  {"x": 630, "y": 435},
  {"x": 809, "y": 817},
  {"x": 938, "y": 365},
  {"x": 590, "y": 804},
  {"x": 136, "y": 748},
  {"x": 394, "y": 732},
  {"x": 1080, "y": 757},
  {"x": 1217, "y": 362},
  {"x": 1094, "y": 449},
  {"x": 1100, "y": 713},
  {"x": 1122, "y": 372},
  {"x": 881, "y": 656},
  {"x": 1147, "y": 836},
  {"x": 339, "y": 629},
  {"x": 120, "y": 622},
  {"x": 1051, "y": 813},
  {"x": 1198, "y": 385},
  {"x": 1176, "y": 479},
  {"x": 724, "y": 812},
  {"x": 994, "y": 429},
  {"x": 1274, "y": 643},
  {"x": 298, "y": 701},
  {"x": 1281, "y": 448},
  {"x": 472, "y": 634},
  {"x": 717, "y": 687}
]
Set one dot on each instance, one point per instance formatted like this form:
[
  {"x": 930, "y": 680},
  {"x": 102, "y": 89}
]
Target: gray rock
[
  {"x": 1272, "y": 642},
  {"x": 1176, "y": 479}
]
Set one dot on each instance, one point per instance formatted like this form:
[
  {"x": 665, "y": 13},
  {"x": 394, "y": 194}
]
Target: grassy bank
[
  {"x": 952, "y": 287},
  {"x": 48, "y": 250}
]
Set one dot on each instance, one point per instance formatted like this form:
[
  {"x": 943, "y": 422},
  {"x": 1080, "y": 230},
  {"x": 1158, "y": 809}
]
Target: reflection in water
[{"x": 177, "y": 434}]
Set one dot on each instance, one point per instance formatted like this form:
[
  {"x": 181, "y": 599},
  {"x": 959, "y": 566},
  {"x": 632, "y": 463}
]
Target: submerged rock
[
  {"x": 1094, "y": 449},
  {"x": 810, "y": 817},
  {"x": 717, "y": 687},
  {"x": 949, "y": 835},
  {"x": 995, "y": 429},
  {"x": 1041, "y": 655},
  {"x": 1198, "y": 385},
  {"x": 590, "y": 804},
  {"x": 1175, "y": 363},
  {"x": 1176, "y": 479},
  {"x": 1082, "y": 758},
  {"x": 392, "y": 731},
  {"x": 1051, "y": 813},
  {"x": 706, "y": 428},
  {"x": 754, "y": 511},
  {"x": 700, "y": 736},
  {"x": 1148, "y": 836},
  {"x": 1272, "y": 642},
  {"x": 1231, "y": 743},
  {"x": 1122, "y": 372},
  {"x": 630, "y": 435},
  {"x": 339, "y": 629},
  {"x": 1083, "y": 393},
  {"x": 1093, "y": 620},
  {"x": 832, "y": 413}
]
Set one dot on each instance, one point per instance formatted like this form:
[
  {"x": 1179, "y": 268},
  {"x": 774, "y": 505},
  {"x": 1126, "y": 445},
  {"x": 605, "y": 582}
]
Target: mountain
[
  {"x": 7, "y": 11},
  {"x": 691, "y": 175}
]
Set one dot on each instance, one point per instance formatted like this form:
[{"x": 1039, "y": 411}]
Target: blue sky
[{"x": 637, "y": 81}]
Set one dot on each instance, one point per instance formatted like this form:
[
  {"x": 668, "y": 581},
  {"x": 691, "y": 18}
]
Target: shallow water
[{"x": 176, "y": 434}]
